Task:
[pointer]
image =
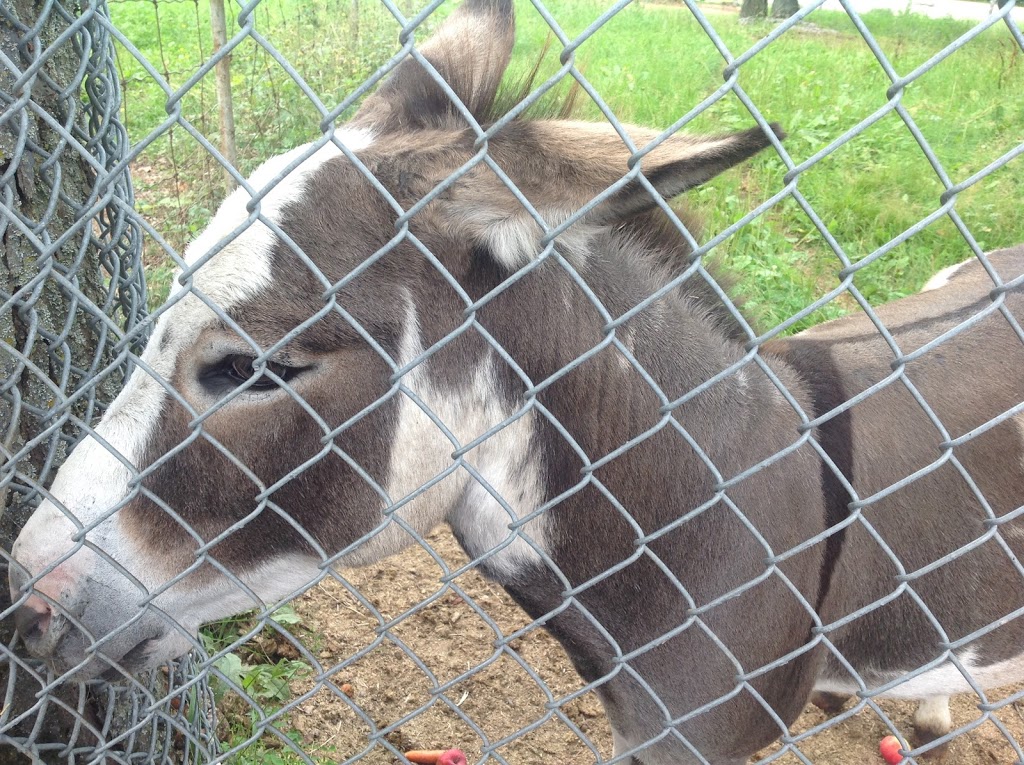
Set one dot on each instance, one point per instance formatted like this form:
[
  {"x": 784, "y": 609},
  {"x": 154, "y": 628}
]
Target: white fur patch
[
  {"x": 944, "y": 680},
  {"x": 243, "y": 266},
  {"x": 271, "y": 581},
  {"x": 514, "y": 239},
  {"x": 941, "y": 279},
  {"x": 421, "y": 452},
  {"x": 191, "y": 605}
]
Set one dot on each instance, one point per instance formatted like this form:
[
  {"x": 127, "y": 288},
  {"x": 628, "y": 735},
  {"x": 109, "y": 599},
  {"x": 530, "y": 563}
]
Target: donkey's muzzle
[
  {"x": 82, "y": 627},
  {"x": 42, "y": 627},
  {"x": 32, "y": 620}
]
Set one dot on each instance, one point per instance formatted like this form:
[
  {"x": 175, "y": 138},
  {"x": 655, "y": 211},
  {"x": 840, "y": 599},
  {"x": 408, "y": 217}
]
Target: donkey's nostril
[{"x": 33, "y": 619}]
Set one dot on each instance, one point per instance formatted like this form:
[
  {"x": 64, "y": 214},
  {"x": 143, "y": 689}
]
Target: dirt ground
[{"x": 500, "y": 699}]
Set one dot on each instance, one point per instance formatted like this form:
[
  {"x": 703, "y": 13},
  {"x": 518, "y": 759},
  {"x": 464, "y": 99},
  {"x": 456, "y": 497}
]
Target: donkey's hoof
[
  {"x": 829, "y": 703},
  {"x": 936, "y": 755},
  {"x": 924, "y": 735}
]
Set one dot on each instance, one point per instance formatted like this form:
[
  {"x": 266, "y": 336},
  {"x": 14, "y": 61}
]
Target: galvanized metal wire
[
  {"x": 175, "y": 722},
  {"x": 74, "y": 308}
]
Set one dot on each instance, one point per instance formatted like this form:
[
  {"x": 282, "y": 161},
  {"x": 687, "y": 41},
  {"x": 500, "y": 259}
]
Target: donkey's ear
[
  {"x": 575, "y": 162},
  {"x": 679, "y": 164},
  {"x": 562, "y": 166},
  {"x": 470, "y": 51}
]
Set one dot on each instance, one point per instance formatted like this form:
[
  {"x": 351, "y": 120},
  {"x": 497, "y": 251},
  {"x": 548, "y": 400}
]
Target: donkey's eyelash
[{"x": 233, "y": 371}]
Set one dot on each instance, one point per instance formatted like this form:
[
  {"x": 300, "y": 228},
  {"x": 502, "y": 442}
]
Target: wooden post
[{"x": 218, "y": 22}]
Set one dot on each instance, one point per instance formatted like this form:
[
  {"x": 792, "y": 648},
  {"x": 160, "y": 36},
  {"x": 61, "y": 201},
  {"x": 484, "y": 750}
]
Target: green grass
[
  {"x": 651, "y": 64},
  {"x": 266, "y": 681},
  {"x": 819, "y": 83}
]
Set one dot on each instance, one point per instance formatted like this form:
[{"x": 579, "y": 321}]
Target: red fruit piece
[
  {"x": 890, "y": 749},
  {"x": 452, "y": 757}
]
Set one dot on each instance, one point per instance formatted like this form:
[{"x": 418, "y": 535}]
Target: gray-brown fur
[
  {"x": 968, "y": 380},
  {"x": 558, "y": 166},
  {"x": 659, "y": 604}
]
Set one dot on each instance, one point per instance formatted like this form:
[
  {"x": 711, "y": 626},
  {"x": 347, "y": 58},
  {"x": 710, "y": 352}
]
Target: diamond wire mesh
[
  {"x": 127, "y": 344},
  {"x": 74, "y": 307}
]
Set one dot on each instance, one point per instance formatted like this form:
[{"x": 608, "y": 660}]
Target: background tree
[
  {"x": 69, "y": 276},
  {"x": 783, "y": 9},
  {"x": 754, "y": 9}
]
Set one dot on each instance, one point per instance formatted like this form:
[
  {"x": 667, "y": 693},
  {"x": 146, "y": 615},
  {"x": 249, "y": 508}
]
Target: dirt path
[
  {"x": 964, "y": 10},
  {"x": 499, "y": 699}
]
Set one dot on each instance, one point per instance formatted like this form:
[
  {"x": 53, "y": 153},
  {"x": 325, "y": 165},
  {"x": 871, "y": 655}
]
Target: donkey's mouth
[{"x": 135, "y": 660}]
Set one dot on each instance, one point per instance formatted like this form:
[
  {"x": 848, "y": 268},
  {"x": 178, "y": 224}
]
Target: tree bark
[
  {"x": 754, "y": 9},
  {"x": 54, "y": 291},
  {"x": 783, "y": 9}
]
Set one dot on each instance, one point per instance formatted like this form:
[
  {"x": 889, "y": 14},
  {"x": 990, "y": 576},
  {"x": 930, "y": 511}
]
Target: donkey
[
  {"x": 970, "y": 385},
  {"x": 332, "y": 379},
  {"x": 956, "y": 291}
]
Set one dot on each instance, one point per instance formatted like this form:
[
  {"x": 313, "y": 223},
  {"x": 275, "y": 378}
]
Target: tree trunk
[
  {"x": 218, "y": 24},
  {"x": 61, "y": 269},
  {"x": 783, "y": 9},
  {"x": 754, "y": 9}
]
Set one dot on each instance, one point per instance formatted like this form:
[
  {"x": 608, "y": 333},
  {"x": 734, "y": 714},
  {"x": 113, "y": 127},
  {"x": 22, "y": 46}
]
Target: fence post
[{"x": 218, "y": 22}]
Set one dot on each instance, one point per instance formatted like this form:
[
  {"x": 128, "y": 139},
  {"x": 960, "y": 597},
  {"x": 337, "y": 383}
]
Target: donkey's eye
[{"x": 233, "y": 371}]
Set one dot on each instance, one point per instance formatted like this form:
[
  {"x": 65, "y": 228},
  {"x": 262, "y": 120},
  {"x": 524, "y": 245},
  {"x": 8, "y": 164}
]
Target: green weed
[{"x": 266, "y": 683}]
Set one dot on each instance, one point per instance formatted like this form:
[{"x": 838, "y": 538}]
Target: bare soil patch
[{"x": 506, "y": 692}]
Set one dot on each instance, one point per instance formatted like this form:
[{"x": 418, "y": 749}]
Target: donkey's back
[{"x": 934, "y": 449}]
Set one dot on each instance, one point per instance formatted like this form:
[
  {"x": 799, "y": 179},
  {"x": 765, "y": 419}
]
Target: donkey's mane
[
  {"x": 653, "y": 236},
  {"x": 559, "y": 103}
]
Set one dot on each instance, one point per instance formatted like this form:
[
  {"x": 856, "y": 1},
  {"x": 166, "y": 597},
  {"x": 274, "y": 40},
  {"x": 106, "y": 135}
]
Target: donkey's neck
[{"x": 493, "y": 491}]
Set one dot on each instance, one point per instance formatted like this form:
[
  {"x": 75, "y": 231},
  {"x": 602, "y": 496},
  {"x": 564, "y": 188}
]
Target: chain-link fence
[
  {"x": 447, "y": 308},
  {"x": 73, "y": 317}
]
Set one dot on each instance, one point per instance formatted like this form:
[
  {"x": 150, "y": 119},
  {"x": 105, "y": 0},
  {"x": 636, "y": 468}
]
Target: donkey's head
[{"x": 284, "y": 416}]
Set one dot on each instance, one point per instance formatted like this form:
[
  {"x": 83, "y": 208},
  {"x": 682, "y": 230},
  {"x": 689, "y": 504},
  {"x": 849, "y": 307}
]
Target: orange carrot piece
[{"x": 425, "y": 756}]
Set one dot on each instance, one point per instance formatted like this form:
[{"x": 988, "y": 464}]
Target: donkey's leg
[
  {"x": 931, "y": 721},
  {"x": 619, "y": 746},
  {"x": 829, "y": 703}
]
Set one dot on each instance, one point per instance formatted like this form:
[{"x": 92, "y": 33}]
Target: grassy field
[
  {"x": 819, "y": 82},
  {"x": 651, "y": 63}
]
